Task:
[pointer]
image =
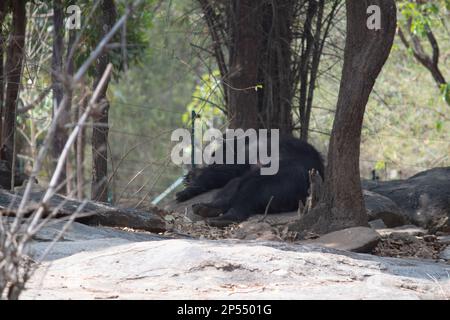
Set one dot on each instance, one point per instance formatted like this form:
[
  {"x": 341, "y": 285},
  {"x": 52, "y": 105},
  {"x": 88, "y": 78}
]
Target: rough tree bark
[
  {"x": 311, "y": 56},
  {"x": 315, "y": 62},
  {"x": 341, "y": 204},
  {"x": 2, "y": 54},
  {"x": 57, "y": 86},
  {"x": 308, "y": 44},
  {"x": 259, "y": 83},
  {"x": 258, "y": 37},
  {"x": 100, "y": 129},
  {"x": 13, "y": 70},
  {"x": 80, "y": 148},
  {"x": 260, "y": 55},
  {"x": 244, "y": 55},
  {"x": 275, "y": 96},
  {"x": 215, "y": 27},
  {"x": 72, "y": 114}
]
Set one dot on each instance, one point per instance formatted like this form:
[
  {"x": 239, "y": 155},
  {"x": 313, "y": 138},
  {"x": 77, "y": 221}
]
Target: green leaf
[
  {"x": 380, "y": 165},
  {"x": 445, "y": 89}
]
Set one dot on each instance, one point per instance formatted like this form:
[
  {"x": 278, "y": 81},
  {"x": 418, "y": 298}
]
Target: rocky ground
[
  {"x": 411, "y": 216},
  {"x": 104, "y": 263},
  {"x": 112, "y": 263},
  {"x": 404, "y": 254}
]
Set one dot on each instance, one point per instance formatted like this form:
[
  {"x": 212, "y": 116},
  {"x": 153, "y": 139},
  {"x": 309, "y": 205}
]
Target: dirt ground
[
  {"x": 408, "y": 246},
  {"x": 399, "y": 245}
]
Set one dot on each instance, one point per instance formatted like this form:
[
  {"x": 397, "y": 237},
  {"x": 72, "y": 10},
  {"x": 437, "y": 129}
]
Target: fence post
[{"x": 193, "y": 116}]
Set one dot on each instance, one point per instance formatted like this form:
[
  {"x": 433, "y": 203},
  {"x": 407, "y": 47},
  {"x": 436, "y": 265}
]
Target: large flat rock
[
  {"x": 358, "y": 239},
  {"x": 193, "y": 269},
  {"x": 79, "y": 238}
]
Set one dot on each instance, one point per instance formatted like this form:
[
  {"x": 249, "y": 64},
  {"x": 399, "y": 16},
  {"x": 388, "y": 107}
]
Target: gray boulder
[
  {"x": 424, "y": 198},
  {"x": 180, "y": 269},
  {"x": 445, "y": 254},
  {"x": 379, "y": 207}
]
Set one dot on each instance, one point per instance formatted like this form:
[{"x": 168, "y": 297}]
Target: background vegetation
[{"x": 168, "y": 73}]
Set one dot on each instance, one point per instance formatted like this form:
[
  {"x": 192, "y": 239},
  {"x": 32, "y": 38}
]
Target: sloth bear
[{"x": 246, "y": 192}]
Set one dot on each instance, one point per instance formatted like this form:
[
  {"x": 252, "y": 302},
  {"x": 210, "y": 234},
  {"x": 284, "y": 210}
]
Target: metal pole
[{"x": 193, "y": 116}]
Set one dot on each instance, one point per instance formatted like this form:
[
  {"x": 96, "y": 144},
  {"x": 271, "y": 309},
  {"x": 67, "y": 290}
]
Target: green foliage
[
  {"x": 421, "y": 18},
  {"x": 422, "y": 15},
  {"x": 148, "y": 102},
  {"x": 406, "y": 125},
  {"x": 439, "y": 125},
  {"x": 207, "y": 101},
  {"x": 380, "y": 165},
  {"x": 137, "y": 35},
  {"x": 445, "y": 89}
]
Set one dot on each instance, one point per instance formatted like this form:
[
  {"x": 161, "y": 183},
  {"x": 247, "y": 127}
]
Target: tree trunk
[
  {"x": 2, "y": 75},
  {"x": 14, "y": 62},
  {"x": 57, "y": 62},
  {"x": 100, "y": 129},
  {"x": 316, "y": 57},
  {"x": 366, "y": 51},
  {"x": 72, "y": 114},
  {"x": 275, "y": 96},
  {"x": 259, "y": 87},
  {"x": 244, "y": 55},
  {"x": 80, "y": 147},
  {"x": 262, "y": 69},
  {"x": 308, "y": 44}
]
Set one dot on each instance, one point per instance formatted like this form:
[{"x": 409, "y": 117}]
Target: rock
[
  {"x": 64, "y": 249},
  {"x": 377, "y": 224},
  {"x": 78, "y": 232},
  {"x": 445, "y": 254},
  {"x": 176, "y": 269},
  {"x": 381, "y": 207},
  {"x": 93, "y": 213},
  {"x": 444, "y": 239},
  {"x": 80, "y": 238},
  {"x": 410, "y": 230},
  {"x": 439, "y": 224},
  {"x": 358, "y": 239},
  {"x": 424, "y": 198}
]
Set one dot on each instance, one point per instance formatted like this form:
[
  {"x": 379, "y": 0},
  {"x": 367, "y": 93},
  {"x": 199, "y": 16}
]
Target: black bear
[{"x": 246, "y": 192}]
